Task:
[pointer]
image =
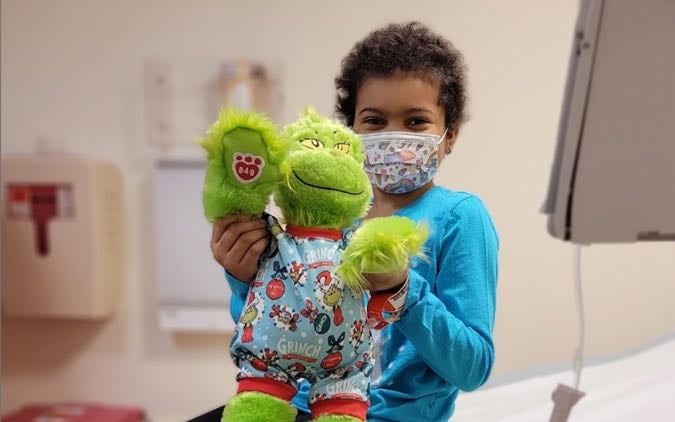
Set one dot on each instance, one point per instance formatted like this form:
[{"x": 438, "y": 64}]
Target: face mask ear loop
[{"x": 442, "y": 138}]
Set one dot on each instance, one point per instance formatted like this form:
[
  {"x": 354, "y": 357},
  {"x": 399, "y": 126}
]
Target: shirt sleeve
[
  {"x": 238, "y": 299},
  {"x": 452, "y": 329}
]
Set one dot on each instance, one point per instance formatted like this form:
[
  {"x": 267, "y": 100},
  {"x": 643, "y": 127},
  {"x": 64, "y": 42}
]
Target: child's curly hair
[{"x": 410, "y": 47}]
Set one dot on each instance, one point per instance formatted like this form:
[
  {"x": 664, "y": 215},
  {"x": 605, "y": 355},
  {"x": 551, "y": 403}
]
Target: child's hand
[
  {"x": 237, "y": 243},
  {"x": 382, "y": 282}
]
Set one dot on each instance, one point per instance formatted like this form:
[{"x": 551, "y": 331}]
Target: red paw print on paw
[{"x": 247, "y": 167}]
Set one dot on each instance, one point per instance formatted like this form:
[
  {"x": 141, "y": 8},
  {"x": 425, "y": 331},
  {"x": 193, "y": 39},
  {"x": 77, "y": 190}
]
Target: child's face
[{"x": 401, "y": 102}]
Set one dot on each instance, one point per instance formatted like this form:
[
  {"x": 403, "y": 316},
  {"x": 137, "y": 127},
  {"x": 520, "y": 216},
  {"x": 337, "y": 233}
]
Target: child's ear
[{"x": 450, "y": 139}]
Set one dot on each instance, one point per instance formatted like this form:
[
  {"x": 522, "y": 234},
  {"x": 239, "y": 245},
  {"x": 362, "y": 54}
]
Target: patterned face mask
[{"x": 401, "y": 162}]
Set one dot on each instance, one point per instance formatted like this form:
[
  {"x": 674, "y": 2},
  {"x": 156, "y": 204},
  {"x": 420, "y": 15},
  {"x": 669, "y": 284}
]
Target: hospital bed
[{"x": 639, "y": 387}]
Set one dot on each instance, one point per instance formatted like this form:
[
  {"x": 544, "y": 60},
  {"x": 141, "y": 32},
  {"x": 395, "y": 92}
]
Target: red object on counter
[{"x": 75, "y": 412}]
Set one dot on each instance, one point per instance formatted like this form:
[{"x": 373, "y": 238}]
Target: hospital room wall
[{"x": 72, "y": 75}]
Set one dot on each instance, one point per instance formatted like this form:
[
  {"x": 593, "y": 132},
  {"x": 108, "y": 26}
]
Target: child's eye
[
  {"x": 312, "y": 143},
  {"x": 373, "y": 121},
  {"x": 416, "y": 122},
  {"x": 343, "y": 147}
]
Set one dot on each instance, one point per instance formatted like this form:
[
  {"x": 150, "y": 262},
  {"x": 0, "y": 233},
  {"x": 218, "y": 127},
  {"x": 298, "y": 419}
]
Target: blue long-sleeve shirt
[{"x": 443, "y": 342}]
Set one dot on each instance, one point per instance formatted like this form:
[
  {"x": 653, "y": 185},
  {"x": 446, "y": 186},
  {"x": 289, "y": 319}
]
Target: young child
[{"x": 403, "y": 89}]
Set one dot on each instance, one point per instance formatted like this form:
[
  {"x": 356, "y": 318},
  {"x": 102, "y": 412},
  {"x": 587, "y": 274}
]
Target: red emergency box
[{"x": 75, "y": 412}]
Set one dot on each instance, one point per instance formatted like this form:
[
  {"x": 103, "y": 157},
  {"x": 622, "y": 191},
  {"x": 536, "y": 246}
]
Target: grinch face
[
  {"x": 250, "y": 315},
  {"x": 326, "y": 185},
  {"x": 333, "y": 295}
]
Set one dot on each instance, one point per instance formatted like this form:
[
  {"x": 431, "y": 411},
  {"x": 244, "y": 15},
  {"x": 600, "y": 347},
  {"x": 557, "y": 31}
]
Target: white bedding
[{"x": 636, "y": 388}]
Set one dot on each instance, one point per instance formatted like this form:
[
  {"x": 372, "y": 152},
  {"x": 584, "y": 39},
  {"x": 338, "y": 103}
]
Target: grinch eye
[
  {"x": 312, "y": 143},
  {"x": 343, "y": 147}
]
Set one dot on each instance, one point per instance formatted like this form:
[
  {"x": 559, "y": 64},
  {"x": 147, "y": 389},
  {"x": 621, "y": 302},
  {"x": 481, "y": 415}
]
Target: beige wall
[{"x": 71, "y": 72}]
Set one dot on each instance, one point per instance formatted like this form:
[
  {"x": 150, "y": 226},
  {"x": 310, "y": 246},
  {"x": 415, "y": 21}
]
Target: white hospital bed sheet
[{"x": 640, "y": 387}]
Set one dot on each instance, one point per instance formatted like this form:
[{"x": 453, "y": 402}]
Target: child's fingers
[
  {"x": 221, "y": 224},
  {"x": 252, "y": 255},
  {"x": 245, "y": 242},
  {"x": 380, "y": 282},
  {"x": 236, "y": 229}
]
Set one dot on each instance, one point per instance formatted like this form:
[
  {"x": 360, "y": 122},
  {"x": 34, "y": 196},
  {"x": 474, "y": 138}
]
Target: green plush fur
[
  {"x": 314, "y": 168},
  {"x": 381, "y": 246},
  {"x": 258, "y": 407},
  {"x": 222, "y": 194},
  {"x": 324, "y": 182}
]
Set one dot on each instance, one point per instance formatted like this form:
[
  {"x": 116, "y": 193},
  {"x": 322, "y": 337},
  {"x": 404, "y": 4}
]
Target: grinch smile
[{"x": 324, "y": 187}]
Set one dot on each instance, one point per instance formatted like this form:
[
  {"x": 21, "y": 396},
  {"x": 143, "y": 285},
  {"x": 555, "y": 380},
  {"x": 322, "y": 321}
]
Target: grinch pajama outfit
[{"x": 300, "y": 322}]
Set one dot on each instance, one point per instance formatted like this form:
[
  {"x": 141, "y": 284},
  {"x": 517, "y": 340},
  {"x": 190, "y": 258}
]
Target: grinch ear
[{"x": 310, "y": 114}]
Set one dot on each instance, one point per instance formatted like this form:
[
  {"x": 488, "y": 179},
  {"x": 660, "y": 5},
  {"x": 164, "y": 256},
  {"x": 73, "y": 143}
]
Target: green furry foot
[
  {"x": 258, "y": 407},
  {"x": 381, "y": 246},
  {"x": 336, "y": 418},
  {"x": 243, "y": 155}
]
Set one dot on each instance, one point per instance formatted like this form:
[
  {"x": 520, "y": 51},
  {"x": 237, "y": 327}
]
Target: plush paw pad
[{"x": 247, "y": 168}]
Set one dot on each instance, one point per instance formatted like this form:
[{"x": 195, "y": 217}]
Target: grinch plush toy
[{"x": 305, "y": 314}]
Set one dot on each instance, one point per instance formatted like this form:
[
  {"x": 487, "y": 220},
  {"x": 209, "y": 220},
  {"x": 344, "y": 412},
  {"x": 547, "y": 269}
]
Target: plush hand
[
  {"x": 378, "y": 254},
  {"x": 243, "y": 155}
]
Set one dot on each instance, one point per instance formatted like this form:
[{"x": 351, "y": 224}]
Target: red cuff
[
  {"x": 268, "y": 386},
  {"x": 349, "y": 407},
  {"x": 391, "y": 303}
]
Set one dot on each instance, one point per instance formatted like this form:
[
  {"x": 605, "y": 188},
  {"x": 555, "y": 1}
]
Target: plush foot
[
  {"x": 258, "y": 407},
  {"x": 243, "y": 155},
  {"x": 336, "y": 418},
  {"x": 381, "y": 246}
]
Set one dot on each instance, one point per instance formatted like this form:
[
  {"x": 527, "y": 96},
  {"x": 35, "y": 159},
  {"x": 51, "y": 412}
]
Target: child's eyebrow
[
  {"x": 411, "y": 110},
  {"x": 371, "y": 110},
  {"x": 419, "y": 110}
]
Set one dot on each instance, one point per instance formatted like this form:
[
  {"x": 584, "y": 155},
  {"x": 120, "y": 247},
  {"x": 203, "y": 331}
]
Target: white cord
[{"x": 579, "y": 353}]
